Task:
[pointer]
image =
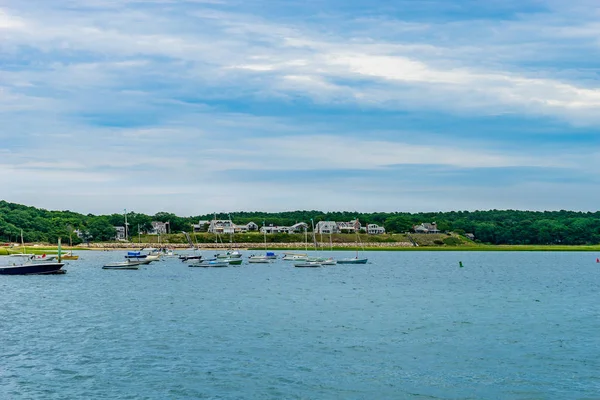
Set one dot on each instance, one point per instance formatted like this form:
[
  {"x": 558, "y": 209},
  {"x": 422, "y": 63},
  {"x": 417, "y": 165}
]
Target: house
[
  {"x": 470, "y": 236},
  {"x": 221, "y": 226},
  {"x": 275, "y": 229},
  {"x": 298, "y": 227},
  {"x": 158, "y": 228},
  {"x": 251, "y": 226},
  {"x": 426, "y": 228},
  {"x": 374, "y": 229},
  {"x": 348, "y": 227},
  {"x": 326, "y": 227},
  {"x": 120, "y": 233}
]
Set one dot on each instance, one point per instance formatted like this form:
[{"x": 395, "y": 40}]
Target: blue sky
[{"x": 204, "y": 106}]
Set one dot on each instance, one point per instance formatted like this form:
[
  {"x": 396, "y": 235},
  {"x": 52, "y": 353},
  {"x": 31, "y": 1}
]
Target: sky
[{"x": 202, "y": 106}]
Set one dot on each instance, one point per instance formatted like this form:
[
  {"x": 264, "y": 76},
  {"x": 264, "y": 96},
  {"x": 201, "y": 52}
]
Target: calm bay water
[{"x": 408, "y": 325}]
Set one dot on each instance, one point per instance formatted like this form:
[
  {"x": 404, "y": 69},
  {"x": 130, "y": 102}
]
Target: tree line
[{"x": 493, "y": 226}]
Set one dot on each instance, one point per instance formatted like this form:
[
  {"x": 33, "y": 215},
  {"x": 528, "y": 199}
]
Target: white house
[
  {"x": 296, "y": 228},
  {"x": 251, "y": 226},
  {"x": 374, "y": 229},
  {"x": 274, "y": 229},
  {"x": 120, "y": 232},
  {"x": 348, "y": 227},
  {"x": 326, "y": 227},
  {"x": 426, "y": 228},
  {"x": 221, "y": 226},
  {"x": 158, "y": 228}
]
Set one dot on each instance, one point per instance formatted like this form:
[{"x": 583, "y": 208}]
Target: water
[{"x": 408, "y": 325}]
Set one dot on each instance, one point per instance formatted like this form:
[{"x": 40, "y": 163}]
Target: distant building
[
  {"x": 221, "y": 226},
  {"x": 226, "y": 226},
  {"x": 374, "y": 229},
  {"x": 426, "y": 228},
  {"x": 348, "y": 227},
  {"x": 296, "y": 228},
  {"x": 120, "y": 233},
  {"x": 327, "y": 227},
  {"x": 470, "y": 236},
  {"x": 158, "y": 228}
]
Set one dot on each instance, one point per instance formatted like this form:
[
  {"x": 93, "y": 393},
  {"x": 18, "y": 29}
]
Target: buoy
[
  {"x": 598, "y": 260},
  {"x": 460, "y": 264}
]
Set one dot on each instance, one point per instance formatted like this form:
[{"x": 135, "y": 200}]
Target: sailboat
[
  {"x": 356, "y": 259},
  {"x": 194, "y": 256},
  {"x": 319, "y": 259}
]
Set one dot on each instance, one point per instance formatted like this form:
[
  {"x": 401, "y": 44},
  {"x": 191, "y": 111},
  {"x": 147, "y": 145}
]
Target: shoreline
[{"x": 300, "y": 247}]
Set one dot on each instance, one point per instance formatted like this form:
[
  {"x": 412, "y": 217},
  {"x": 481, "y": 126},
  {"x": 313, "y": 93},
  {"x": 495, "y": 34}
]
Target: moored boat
[
  {"x": 210, "y": 264},
  {"x": 32, "y": 268},
  {"x": 123, "y": 265},
  {"x": 354, "y": 260},
  {"x": 260, "y": 260},
  {"x": 295, "y": 257},
  {"x": 232, "y": 261},
  {"x": 308, "y": 264}
]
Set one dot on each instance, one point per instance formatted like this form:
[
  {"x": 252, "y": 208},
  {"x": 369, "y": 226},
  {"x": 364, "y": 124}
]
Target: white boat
[
  {"x": 260, "y": 260},
  {"x": 229, "y": 254},
  {"x": 308, "y": 264},
  {"x": 295, "y": 257},
  {"x": 329, "y": 261},
  {"x": 123, "y": 265},
  {"x": 138, "y": 256}
]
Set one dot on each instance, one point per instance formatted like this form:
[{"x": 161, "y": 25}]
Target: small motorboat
[
  {"x": 184, "y": 258},
  {"x": 210, "y": 264},
  {"x": 269, "y": 255},
  {"x": 229, "y": 254},
  {"x": 329, "y": 261},
  {"x": 308, "y": 264},
  {"x": 295, "y": 257},
  {"x": 232, "y": 261},
  {"x": 260, "y": 260},
  {"x": 31, "y": 267},
  {"x": 124, "y": 265},
  {"x": 138, "y": 256}
]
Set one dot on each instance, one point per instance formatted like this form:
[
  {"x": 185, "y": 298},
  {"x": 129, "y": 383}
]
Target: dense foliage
[{"x": 495, "y": 226}]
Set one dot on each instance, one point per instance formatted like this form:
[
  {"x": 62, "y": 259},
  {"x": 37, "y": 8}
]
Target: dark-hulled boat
[{"x": 32, "y": 268}]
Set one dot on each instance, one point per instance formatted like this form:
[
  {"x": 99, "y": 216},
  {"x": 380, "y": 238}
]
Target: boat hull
[
  {"x": 260, "y": 260},
  {"x": 309, "y": 264},
  {"x": 210, "y": 264},
  {"x": 32, "y": 269},
  {"x": 353, "y": 261}
]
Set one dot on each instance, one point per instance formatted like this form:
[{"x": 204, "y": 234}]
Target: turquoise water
[{"x": 408, "y": 325}]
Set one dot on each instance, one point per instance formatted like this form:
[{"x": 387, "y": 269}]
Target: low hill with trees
[{"x": 507, "y": 227}]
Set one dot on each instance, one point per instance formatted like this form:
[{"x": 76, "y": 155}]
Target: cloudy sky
[{"x": 196, "y": 106}]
